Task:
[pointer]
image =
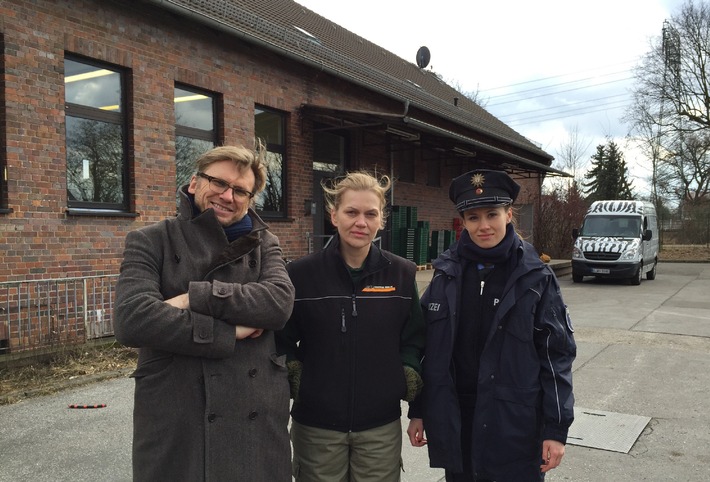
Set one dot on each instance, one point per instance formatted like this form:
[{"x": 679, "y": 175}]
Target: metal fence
[{"x": 47, "y": 313}]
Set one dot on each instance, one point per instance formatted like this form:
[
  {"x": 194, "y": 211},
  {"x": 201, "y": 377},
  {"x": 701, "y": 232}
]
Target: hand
[
  {"x": 180, "y": 301},
  {"x": 248, "y": 332},
  {"x": 552, "y": 453},
  {"x": 416, "y": 432}
]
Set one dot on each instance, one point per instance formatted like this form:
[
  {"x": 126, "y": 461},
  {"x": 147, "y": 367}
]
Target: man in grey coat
[{"x": 201, "y": 295}]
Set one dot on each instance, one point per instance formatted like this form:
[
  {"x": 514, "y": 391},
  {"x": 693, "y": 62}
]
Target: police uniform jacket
[
  {"x": 524, "y": 387},
  {"x": 353, "y": 338},
  {"x": 207, "y": 407}
]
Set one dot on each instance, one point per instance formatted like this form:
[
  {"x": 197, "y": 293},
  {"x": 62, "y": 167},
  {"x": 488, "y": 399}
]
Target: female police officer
[{"x": 497, "y": 399}]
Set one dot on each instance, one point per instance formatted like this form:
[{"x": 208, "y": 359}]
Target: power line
[
  {"x": 551, "y": 117},
  {"x": 561, "y": 91},
  {"x": 598, "y": 99},
  {"x": 559, "y": 76},
  {"x": 562, "y": 83}
]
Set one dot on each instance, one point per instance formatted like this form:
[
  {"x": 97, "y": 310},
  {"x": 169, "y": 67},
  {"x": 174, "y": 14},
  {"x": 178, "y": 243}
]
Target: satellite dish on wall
[{"x": 423, "y": 57}]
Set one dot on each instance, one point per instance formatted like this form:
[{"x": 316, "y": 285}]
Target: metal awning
[{"x": 427, "y": 135}]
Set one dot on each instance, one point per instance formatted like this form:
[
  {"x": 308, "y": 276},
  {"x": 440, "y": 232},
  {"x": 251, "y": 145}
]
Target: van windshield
[{"x": 611, "y": 225}]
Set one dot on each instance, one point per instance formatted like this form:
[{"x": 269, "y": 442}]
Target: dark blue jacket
[{"x": 524, "y": 393}]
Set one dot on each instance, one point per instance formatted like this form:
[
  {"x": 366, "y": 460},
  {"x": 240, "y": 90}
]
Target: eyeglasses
[{"x": 219, "y": 186}]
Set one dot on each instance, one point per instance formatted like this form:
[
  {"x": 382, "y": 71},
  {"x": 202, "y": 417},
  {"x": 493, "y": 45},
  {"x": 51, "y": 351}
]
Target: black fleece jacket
[{"x": 352, "y": 338}]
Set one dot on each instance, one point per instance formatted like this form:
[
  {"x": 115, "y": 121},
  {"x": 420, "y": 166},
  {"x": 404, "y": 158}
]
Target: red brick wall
[{"x": 39, "y": 239}]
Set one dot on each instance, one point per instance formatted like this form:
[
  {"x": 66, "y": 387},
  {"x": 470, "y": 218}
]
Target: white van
[{"x": 618, "y": 239}]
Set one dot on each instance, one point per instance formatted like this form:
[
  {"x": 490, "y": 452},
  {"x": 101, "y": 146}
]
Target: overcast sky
[{"x": 544, "y": 67}]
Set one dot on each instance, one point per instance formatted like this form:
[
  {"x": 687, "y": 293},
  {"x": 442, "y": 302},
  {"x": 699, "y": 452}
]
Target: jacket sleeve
[
  {"x": 412, "y": 338},
  {"x": 288, "y": 337},
  {"x": 416, "y": 406},
  {"x": 143, "y": 319},
  {"x": 265, "y": 303},
  {"x": 207, "y": 328},
  {"x": 554, "y": 339}
]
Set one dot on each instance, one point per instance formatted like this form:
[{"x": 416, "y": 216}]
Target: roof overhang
[{"x": 423, "y": 133}]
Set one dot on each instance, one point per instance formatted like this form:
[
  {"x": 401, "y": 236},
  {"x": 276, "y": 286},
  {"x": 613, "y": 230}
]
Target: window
[
  {"x": 328, "y": 152},
  {"x": 270, "y": 129},
  {"x": 95, "y": 136},
  {"x": 434, "y": 173},
  {"x": 195, "y": 132},
  {"x": 403, "y": 155}
]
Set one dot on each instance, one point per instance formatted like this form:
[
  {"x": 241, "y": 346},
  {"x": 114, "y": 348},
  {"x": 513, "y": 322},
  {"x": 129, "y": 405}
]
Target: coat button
[
  {"x": 203, "y": 334},
  {"x": 252, "y": 373},
  {"x": 211, "y": 417},
  {"x": 253, "y": 415},
  {"x": 222, "y": 291},
  {"x": 252, "y": 263},
  {"x": 493, "y": 377}
]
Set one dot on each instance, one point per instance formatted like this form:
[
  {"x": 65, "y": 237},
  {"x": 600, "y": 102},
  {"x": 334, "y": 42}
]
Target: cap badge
[{"x": 478, "y": 180}]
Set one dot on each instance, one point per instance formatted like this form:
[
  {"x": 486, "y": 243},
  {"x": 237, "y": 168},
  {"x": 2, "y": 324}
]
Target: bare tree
[
  {"x": 94, "y": 161},
  {"x": 571, "y": 155},
  {"x": 671, "y": 110},
  {"x": 472, "y": 95}
]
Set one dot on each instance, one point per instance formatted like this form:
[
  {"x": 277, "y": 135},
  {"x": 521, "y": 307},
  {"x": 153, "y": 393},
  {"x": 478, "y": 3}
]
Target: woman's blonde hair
[{"x": 356, "y": 181}]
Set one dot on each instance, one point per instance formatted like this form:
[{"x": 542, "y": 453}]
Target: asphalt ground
[{"x": 642, "y": 350}]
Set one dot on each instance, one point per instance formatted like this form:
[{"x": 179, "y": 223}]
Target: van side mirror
[
  {"x": 647, "y": 235},
  {"x": 575, "y": 233}
]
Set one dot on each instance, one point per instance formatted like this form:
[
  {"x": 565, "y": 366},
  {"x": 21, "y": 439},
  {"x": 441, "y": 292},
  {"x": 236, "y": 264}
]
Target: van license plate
[{"x": 600, "y": 270}]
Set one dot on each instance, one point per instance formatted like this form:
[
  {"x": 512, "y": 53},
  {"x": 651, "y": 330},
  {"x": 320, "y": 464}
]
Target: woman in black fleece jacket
[{"x": 353, "y": 342}]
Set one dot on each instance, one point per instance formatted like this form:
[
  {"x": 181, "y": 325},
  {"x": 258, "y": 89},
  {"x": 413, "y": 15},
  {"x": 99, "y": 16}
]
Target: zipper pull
[
  {"x": 482, "y": 283},
  {"x": 343, "y": 328},
  {"x": 354, "y": 307}
]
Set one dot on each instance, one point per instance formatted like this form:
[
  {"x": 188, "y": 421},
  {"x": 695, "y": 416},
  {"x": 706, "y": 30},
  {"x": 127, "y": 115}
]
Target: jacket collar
[
  {"x": 207, "y": 216},
  {"x": 375, "y": 261},
  {"x": 528, "y": 261}
]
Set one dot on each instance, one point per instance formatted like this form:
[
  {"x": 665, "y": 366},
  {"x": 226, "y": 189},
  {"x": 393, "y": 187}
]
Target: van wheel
[
  {"x": 577, "y": 278},
  {"x": 652, "y": 274},
  {"x": 636, "y": 280}
]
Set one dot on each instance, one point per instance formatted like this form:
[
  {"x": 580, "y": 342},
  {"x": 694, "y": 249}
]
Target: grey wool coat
[{"x": 207, "y": 407}]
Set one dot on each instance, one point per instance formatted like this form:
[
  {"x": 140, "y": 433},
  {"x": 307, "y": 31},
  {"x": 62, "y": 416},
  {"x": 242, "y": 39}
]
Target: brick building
[{"x": 103, "y": 104}]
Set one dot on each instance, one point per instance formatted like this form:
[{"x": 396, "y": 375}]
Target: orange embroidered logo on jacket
[{"x": 378, "y": 289}]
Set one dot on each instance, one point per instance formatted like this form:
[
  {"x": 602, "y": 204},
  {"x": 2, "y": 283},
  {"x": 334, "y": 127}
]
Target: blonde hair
[
  {"x": 241, "y": 156},
  {"x": 356, "y": 181}
]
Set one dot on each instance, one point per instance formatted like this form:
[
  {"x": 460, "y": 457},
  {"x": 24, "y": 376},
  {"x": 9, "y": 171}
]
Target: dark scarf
[
  {"x": 234, "y": 230},
  {"x": 500, "y": 253}
]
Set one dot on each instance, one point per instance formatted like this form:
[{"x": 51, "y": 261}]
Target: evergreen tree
[{"x": 608, "y": 178}]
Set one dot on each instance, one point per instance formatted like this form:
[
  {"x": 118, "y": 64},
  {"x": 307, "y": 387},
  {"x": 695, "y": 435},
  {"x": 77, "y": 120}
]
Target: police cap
[{"x": 483, "y": 188}]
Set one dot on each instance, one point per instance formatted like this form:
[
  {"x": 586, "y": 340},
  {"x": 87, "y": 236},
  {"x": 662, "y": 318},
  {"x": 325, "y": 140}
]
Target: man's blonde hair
[{"x": 241, "y": 156}]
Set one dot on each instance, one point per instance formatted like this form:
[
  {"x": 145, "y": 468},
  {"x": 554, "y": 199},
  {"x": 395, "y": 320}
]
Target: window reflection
[
  {"x": 96, "y": 163},
  {"x": 328, "y": 152},
  {"x": 195, "y": 131},
  {"x": 92, "y": 86},
  {"x": 269, "y": 127},
  {"x": 187, "y": 150},
  {"x": 271, "y": 197},
  {"x": 193, "y": 110}
]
